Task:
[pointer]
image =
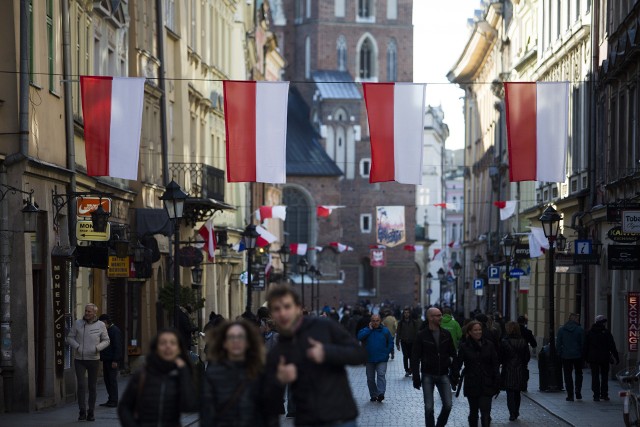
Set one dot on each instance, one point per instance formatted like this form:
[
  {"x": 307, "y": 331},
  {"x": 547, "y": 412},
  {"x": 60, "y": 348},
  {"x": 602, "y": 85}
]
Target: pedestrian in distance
[
  {"x": 391, "y": 323},
  {"x": 311, "y": 355},
  {"x": 451, "y": 325},
  {"x": 481, "y": 373},
  {"x": 570, "y": 348},
  {"x": 433, "y": 352},
  {"x": 406, "y": 334},
  {"x": 163, "y": 389},
  {"x": 233, "y": 392},
  {"x": 186, "y": 326},
  {"x": 88, "y": 337},
  {"x": 600, "y": 351},
  {"x": 514, "y": 356},
  {"x": 112, "y": 359},
  {"x": 489, "y": 332},
  {"x": 526, "y": 333},
  {"x": 378, "y": 342},
  {"x": 269, "y": 334}
]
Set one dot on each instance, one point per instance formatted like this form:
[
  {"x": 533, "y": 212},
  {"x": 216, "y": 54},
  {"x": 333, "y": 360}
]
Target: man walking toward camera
[
  {"x": 378, "y": 341},
  {"x": 112, "y": 358},
  {"x": 408, "y": 328},
  {"x": 433, "y": 352}
]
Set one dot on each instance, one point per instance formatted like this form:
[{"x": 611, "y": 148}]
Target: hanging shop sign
[
  {"x": 633, "y": 316},
  {"x": 522, "y": 251},
  {"x": 61, "y": 273},
  {"x": 118, "y": 267},
  {"x": 631, "y": 221},
  {"x": 190, "y": 256},
  {"x": 86, "y": 205},
  {"x": 259, "y": 278},
  {"x": 378, "y": 257},
  {"x": 614, "y": 211},
  {"x": 623, "y": 257},
  {"x": 617, "y": 235},
  {"x": 85, "y": 232}
]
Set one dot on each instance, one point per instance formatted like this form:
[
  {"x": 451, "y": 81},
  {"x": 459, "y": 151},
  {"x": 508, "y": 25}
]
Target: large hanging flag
[
  {"x": 507, "y": 208},
  {"x": 537, "y": 242},
  {"x": 537, "y": 130},
  {"x": 208, "y": 235},
  {"x": 324, "y": 211},
  {"x": 340, "y": 247},
  {"x": 265, "y": 237},
  {"x": 255, "y": 115},
  {"x": 266, "y": 212},
  {"x": 396, "y": 126},
  {"x": 112, "y": 112},
  {"x": 298, "y": 248},
  {"x": 413, "y": 248}
]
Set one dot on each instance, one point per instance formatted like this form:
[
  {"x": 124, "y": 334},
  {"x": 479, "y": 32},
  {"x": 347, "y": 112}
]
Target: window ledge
[
  {"x": 365, "y": 20},
  {"x": 54, "y": 93},
  {"x": 171, "y": 33}
]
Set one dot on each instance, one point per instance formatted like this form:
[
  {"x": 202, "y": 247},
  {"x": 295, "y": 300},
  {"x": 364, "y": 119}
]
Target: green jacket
[{"x": 452, "y": 325}]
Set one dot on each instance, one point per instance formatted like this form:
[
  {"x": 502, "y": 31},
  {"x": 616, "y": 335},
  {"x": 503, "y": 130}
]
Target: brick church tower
[{"x": 330, "y": 47}]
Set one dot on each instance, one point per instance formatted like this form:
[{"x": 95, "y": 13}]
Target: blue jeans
[
  {"x": 377, "y": 386},
  {"x": 444, "y": 389}
]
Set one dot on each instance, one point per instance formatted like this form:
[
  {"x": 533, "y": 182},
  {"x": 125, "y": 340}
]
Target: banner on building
[
  {"x": 633, "y": 317},
  {"x": 390, "y": 226},
  {"x": 378, "y": 257}
]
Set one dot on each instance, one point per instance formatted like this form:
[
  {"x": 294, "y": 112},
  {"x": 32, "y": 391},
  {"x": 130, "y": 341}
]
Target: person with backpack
[
  {"x": 378, "y": 342},
  {"x": 163, "y": 389},
  {"x": 514, "y": 356}
]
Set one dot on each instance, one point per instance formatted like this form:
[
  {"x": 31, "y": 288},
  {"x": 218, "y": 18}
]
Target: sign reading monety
[
  {"x": 617, "y": 235},
  {"x": 61, "y": 272},
  {"x": 633, "y": 320}
]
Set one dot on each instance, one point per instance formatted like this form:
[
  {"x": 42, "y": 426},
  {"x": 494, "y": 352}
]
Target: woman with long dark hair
[
  {"x": 514, "y": 355},
  {"x": 163, "y": 389},
  {"x": 481, "y": 372},
  {"x": 233, "y": 388}
]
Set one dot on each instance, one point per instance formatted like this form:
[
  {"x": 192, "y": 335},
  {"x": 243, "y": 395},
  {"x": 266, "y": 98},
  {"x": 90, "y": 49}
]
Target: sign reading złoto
[
  {"x": 631, "y": 221},
  {"x": 86, "y": 205},
  {"x": 633, "y": 299}
]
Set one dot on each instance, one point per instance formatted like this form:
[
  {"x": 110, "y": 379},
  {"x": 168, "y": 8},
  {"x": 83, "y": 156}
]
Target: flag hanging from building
[
  {"x": 208, "y": 235},
  {"x": 450, "y": 206},
  {"x": 265, "y": 238},
  {"x": 340, "y": 247},
  {"x": 436, "y": 254},
  {"x": 298, "y": 248},
  {"x": 413, "y": 248},
  {"x": 538, "y": 242},
  {"x": 266, "y": 212},
  {"x": 507, "y": 208},
  {"x": 537, "y": 130},
  {"x": 316, "y": 248},
  {"x": 396, "y": 126},
  {"x": 255, "y": 115},
  {"x": 112, "y": 113},
  {"x": 324, "y": 211}
]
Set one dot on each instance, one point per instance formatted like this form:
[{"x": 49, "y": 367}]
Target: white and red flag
[
  {"x": 538, "y": 242},
  {"x": 507, "y": 208},
  {"x": 112, "y": 112},
  {"x": 324, "y": 211},
  {"x": 298, "y": 248},
  {"x": 413, "y": 248},
  {"x": 265, "y": 237},
  {"x": 255, "y": 116},
  {"x": 436, "y": 254},
  {"x": 316, "y": 248},
  {"x": 266, "y": 212},
  {"x": 208, "y": 235},
  {"x": 396, "y": 126},
  {"x": 450, "y": 206},
  {"x": 340, "y": 247},
  {"x": 537, "y": 130}
]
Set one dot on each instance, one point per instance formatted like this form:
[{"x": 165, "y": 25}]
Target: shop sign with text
[{"x": 633, "y": 320}]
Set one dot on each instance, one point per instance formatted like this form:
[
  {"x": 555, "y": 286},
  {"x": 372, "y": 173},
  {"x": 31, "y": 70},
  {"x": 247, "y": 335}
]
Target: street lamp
[
  {"x": 100, "y": 219},
  {"x": 173, "y": 199},
  {"x": 303, "y": 265},
  {"x": 250, "y": 236},
  {"x": 30, "y": 214},
  {"x": 429, "y": 279},
  {"x": 550, "y": 220},
  {"x": 441, "y": 275},
  {"x": 196, "y": 276},
  {"x": 285, "y": 253},
  {"x": 508, "y": 244},
  {"x": 457, "y": 269},
  {"x": 561, "y": 242}
]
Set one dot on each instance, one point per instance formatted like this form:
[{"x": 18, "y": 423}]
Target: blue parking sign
[{"x": 477, "y": 284}]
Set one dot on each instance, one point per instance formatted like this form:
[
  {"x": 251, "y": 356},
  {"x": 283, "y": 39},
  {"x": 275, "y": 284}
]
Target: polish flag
[
  {"x": 538, "y": 242},
  {"x": 537, "y": 130},
  {"x": 507, "y": 208},
  {"x": 209, "y": 237},
  {"x": 298, "y": 248},
  {"x": 396, "y": 126},
  {"x": 112, "y": 111},
  {"x": 450, "y": 206},
  {"x": 377, "y": 247},
  {"x": 324, "y": 211},
  {"x": 413, "y": 248},
  {"x": 316, "y": 248},
  {"x": 265, "y": 238},
  {"x": 436, "y": 253},
  {"x": 265, "y": 212},
  {"x": 340, "y": 247},
  {"x": 255, "y": 115}
]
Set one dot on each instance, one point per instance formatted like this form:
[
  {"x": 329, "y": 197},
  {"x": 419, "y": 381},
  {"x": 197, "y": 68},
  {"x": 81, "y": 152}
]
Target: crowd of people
[{"x": 285, "y": 361}]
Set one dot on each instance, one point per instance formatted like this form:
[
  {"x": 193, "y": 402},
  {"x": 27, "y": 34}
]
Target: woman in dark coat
[
  {"x": 514, "y": 355},
  {"x": 163, "y": 389},
  {"x": 481, "y": 373},
  {"x": 233, "y": 389}
]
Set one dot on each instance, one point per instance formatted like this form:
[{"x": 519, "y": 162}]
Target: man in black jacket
[
  {"x": 526, "y": 332},
  {"x": 310, "y": 356},
  {"x": 406, "y": 333},
  {"x": 600, "y": 350},
  {"x": 433, "y": 351},
  {"x": 112, "y": 358}
]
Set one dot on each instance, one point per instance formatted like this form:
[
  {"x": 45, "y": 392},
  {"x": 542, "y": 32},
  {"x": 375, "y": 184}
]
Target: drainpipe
[
  {"x": 595, "y": 36},
  {"x": 163, "y": 97}
]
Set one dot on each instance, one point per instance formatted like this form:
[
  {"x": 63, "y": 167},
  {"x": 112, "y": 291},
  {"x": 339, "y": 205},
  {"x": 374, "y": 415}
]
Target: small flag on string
[
  {"x": 265, "y": 238},
  {"x": 413, "y": 248},
  {"x": 507, "y": 208},
  {"x": 436, "y": 254},
  {"x": 450, "y": 206},
  {"x": 340, "y": 247},
  {"x": 377, "y": 247},
  {"x": 324, "y": 211},
  {"x": 209, "y": 237},
  {"x": 265, "y": 212},
  {"x": 298, "y": 248},
  {"x": 316, "y": 248}
]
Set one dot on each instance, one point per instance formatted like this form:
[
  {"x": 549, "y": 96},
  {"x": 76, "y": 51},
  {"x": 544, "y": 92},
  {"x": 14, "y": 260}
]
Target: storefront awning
[{"x": 153, "y": 221}]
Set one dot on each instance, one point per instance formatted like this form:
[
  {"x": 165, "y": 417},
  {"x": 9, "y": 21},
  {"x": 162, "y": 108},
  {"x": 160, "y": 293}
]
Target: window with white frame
[
  {"x": 392, "y": 61},
  {"x": 170, "y": 14},
  {"x": 308, "y": 9},
  {"x": 365, "y": 168},
  {"x": 366, "y": 60},
  {"x": 365, "y": 11},
  {"x": 392, "y": 9},
  {"x": 341, "y": 48},
  {"x": 339, "y": 8},
  {"x": 365, "y": 223}
]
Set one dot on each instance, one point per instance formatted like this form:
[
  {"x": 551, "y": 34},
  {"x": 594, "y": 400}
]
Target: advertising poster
[{"x": 390, "y": 226}]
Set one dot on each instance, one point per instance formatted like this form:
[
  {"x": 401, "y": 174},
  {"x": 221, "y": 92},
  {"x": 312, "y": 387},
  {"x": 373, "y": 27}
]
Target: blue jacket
[
  {"x": 378, "y": 343},
  {"x": 570, "y": 341}
]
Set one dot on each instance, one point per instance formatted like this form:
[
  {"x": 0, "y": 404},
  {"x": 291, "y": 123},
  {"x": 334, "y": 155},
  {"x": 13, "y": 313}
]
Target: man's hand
[
  {"x": 114, "y": 365},
  {"x": 287, "y": 372},
  {"x": 180, "y": 363},
  {"x": 371, "y": 326},
  {"x": 417, "y": 383},
  {"x": 316, "y": 352}
]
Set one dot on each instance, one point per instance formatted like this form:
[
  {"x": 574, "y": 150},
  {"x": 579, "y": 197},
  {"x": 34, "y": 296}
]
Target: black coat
[
  {"x": 429, "y": 359},
  {"x": 528, "y": 336},
  {"x": 408, "y": 329},
  {"x": 321, "y": 393},
  {"x": 220, "y": 407},
  {"x": 157, "y": 395},
  {"x": 481, "y": 367},
  {"x": 599, "y": 345},
  {"x": 114, "y": 352},
  {"x": 514, "y": 356}
]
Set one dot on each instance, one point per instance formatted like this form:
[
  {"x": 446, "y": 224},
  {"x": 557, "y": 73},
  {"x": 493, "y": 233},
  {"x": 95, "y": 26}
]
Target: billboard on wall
[{"x": 390, "y": 226}]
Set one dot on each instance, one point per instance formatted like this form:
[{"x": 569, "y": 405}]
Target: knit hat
[{"x": 600, "y": 318}]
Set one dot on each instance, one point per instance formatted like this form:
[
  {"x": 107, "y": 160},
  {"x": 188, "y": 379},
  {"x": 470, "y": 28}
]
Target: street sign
[
  {"x": 118, "y": 267},
  {"x": 477, "y": 284},
  {"x": 631, "y": 221},
  {"x": 583, "y": 247},
  {"x": 86, "y": 205},
  {"x": 478, "y": 292},
  {"x": 494, "y": 275},
  {"x": 85, "y": 232},
  {"x": 617, "y": 235},
  {"x": 429, "y": 291},
  {"x": 516, "y": 272}
]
